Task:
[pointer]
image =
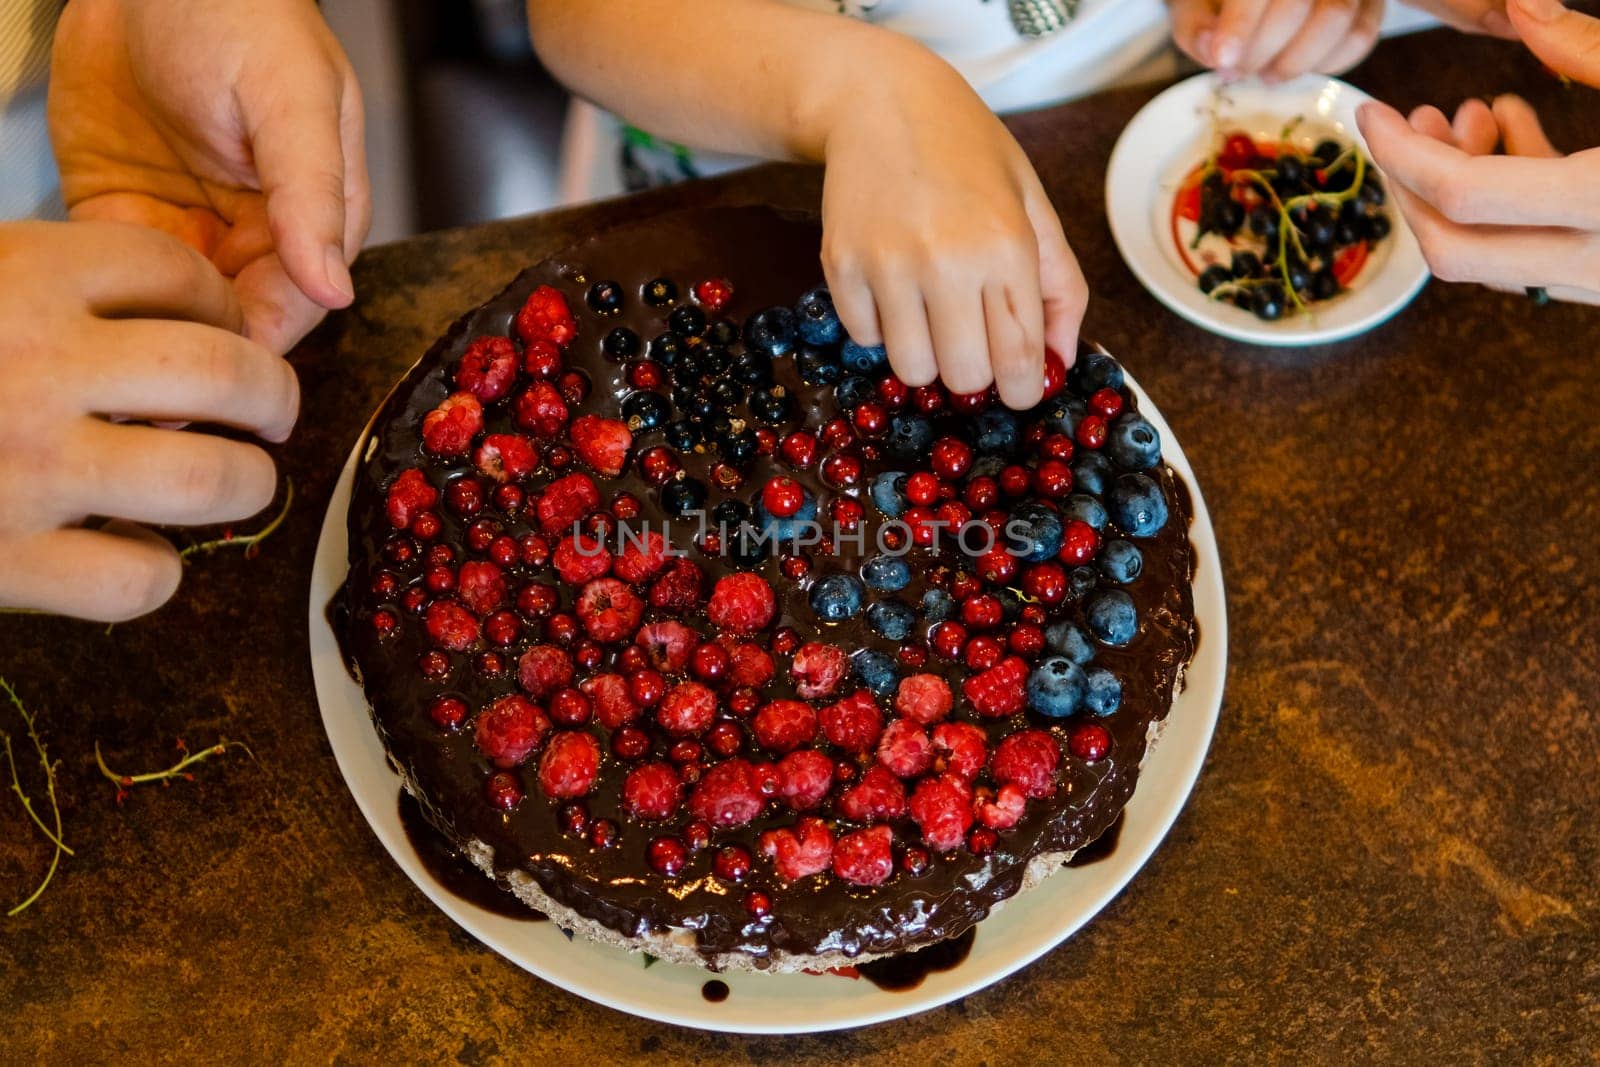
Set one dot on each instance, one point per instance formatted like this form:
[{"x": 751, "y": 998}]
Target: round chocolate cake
[{"x": 704, "y": 635}]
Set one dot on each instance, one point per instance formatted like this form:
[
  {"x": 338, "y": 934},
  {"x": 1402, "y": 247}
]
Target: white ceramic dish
[
  {"x": 1172, "y": 133},
  {"x": 1014, "y": 936}
]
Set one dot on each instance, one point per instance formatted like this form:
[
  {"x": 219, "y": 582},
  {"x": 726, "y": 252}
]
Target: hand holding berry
[{"x": 1276, "y": 39}]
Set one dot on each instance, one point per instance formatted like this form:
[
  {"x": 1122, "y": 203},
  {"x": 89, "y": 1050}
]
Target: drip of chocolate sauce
[
  {"x": 907, "y": 971},
  {"x": 716, "y": 991},
  {"x": 1100, "y": 848},
  {"x": 453, "y": 870}
]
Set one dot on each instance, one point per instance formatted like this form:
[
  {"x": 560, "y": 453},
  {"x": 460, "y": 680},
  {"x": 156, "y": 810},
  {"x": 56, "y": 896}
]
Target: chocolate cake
[{"x": 704, "y": 635}]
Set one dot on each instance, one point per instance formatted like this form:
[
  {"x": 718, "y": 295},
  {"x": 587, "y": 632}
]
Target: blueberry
[
  {"x": 1264, "y": 223},
  {"x": 910, "y": 436},
  {"x": 772, "y": 331},
  {"x": 1324, "y": 286},
  {"x": 605, "y": 297},
  {"x": 645, "y": 410},
  {"x": 1091, "y": 472},
  {"x": 1121, "y": 562},
  {"x": 819, "y": 322},
  {"x": 996, "y": 432},
  {"x": 817, "y": 366},
  {"x": 854, "y": 391},
  {"x": 891, "y": 619},
  {"x": 659, "y": 292},
  {"x": 836, "y": 597},
  {"x": 1213, "y": 276},
  {"x": 770, "y": 406},
  {"x": 1133, "y": 443},
  {"x": 1056, "y": 687},
  {"x": 937, "y": 605},
  {"x": 745, "y": 548},
  {"x": 683, "y": 497},
  {"x": 887, "y": 493},
  {"x": 1245, "y": 264},
  {"x": 722, "y": 333},
  {"x": 877, "y": 670},
  {"x": 1267, "y": 302},
  {"x": 753, "y": 368},
  {"x": 887, "y": 573},
  {"x": 1034, "y": 532},
  {"x": 621, "y": 343},
  {"x": 1068, "y": 639},
  {"x": 1081, "y": 582},
  {"x": 863, "y": 359},
  {"x": 1085, "y": 509},
  {"x": 1094, "y": 371},
  {"x": 1112, "y": 618},
  {"x": 1104, "y": 692},
  {"x": 1138, "y": 506},
  {"x": 789, "y": 529},
  {"x": 687, "y": 321},
  {"x": 986, "y": 467},
  {"x": 1064, "y": 415}
]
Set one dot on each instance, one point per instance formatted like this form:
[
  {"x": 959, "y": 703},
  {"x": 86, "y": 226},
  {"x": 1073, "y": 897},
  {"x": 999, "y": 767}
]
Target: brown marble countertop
[{"x": 1393, "y": 852}]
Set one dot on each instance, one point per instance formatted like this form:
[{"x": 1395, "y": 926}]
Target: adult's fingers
[
  {"x": 1474, "y": 128},
  {"x": 1235, "y": 28},
  {"x": 133, "y": 271},
  {"x": 904, "y": 318},
  {"x": 1568, "y": 42},
  {"x": 276, "y": 312},
  {"x": 1193, "y": 23},
  {"x": 1323, "y": 31},
  {"x": 107, "y": 575},
  {"x": 1363, "y": 34},
  {"x": 191, "y": 373},
  {"x": 1520, "y": 128},
  {"x": 1279, "y": 24},
  {"x": 166, "y": 477},
  {"x": 1429, "y": 120},
  {"x": 1500, "y": 256},
  {"x": 357, "y": 184}
]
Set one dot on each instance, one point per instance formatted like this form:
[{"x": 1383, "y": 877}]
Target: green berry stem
[
  {"x": 180, "y": 769},
  {"x": 50, "y": 793},
  {"x": 251, "y": 541}
]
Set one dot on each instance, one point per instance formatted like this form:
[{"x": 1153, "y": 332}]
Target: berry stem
[
  {"x": 27, "y": 804},
  {"x": 250, "y": 541},
  {"x": 125, "y": 782}
]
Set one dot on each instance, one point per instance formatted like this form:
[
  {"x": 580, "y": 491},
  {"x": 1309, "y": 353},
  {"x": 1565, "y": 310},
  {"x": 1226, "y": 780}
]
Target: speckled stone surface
[{"x": 1393, "y": 852}]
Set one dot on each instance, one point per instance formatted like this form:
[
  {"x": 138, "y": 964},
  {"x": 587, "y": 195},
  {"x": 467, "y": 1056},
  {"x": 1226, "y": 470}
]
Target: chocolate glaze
[
  {"x": 771, "y": 259},
  {"x": 451, "y": 869},
  {"x": 1101, "y": 848},
  {"x": 899, "y": 974}
]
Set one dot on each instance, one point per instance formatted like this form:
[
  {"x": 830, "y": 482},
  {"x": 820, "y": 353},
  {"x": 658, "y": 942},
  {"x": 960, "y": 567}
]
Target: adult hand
[
  {"x": 105, "y": 319},
  {"x": 1276, "y": 39},
  {"x": 1530, "y": 217},
  {"x": 234, "y": 125}
]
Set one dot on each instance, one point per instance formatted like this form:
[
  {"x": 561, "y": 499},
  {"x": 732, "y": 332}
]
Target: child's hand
[
  {"x": 104, "y": 319},
  {"x": 939, "y": 242},
  {"x": 1276, "y": 39}
]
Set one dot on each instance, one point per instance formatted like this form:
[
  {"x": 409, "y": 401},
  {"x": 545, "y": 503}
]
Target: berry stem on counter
[{"x": 27, "y": 803}]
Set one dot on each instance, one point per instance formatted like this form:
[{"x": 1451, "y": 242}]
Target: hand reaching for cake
[
  {"x": 104, "y": 320},
  {"x": 1276, "y": 39},
  {"x": 236, "y": 127}
]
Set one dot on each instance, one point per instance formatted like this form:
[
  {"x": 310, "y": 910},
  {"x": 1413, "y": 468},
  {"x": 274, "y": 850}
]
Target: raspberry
[
  {"x": 804, "y": 778},
  {"x": 669, "y": 644},
  {"x": 1028, "y": 758},
  {"x": 877, "y": 796},
  {"x": 451, "y": 626},
  {"x": 579, "y": 559},
  {"x": 749, "y": 666},
  {"x": 853, "y": 723},
  {"x": 569, "y": 765},
  {"x": 541, "y": 411},
  {"x": 998, "y": 691},
  {"x": 542, "y": 361},
  {"x": 482, "y": 586},
  {"x": 565, "y": 501},
  {"x": 905, "y": 748},
  {"x": 687, "y": 709},
  {"x": 614, "y": 706},
  {"x": 818, "y": 669},
  {"x": 542, "y": 670},
  {"x": 924, "y": 698},
  {"x": 1004, "y": 809},
  {"x": 785, "y": 725},
  {"x": 546, "y": 317},
  {"x": 680, "y": 588},
  {"x": 641, "y": 557},
  {"x": 508, "y": 729},
  {"x": 942, "y": 810},
  {"x": 488, "y": 367},
  {"x": 602, "y": 443},
  {"x": 963, "y": 747},
  {"x": 652, "y": 791},
  {"x": 727, "y": 795},
  {"x": 448, "y": 429},
  {"x": 864, "y": 857},
  {"x": 803, "y": 850},
  {"x": 609, "y": 610},
  {"x": 742, "y": 603},
  {"x": 506, "y": 457},
  {"x": 410, "y": 495}
]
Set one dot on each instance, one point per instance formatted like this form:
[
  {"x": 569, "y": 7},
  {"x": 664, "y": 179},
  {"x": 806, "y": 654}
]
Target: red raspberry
[
  {"x": 506, "y": 457},
  {"x": 409, "y": 496},
  {"x": 905, "y": 748},
  {"x": 1079, "y": 543},
  {"x": 749, "y": 666},
  {"x": 546, "y": 317},
  {"x": 570, "y": 763},
  {"x": 609, "y": 610},
  {"x": 924, "y": 698},
  {"x": 580, "y": 559},
  {"x": 602, "y": 443},
  {"x": 488, "y": 367},
  {"x": 508, "y": 729},
  {"x": 818, "y": 669},
  {"x": 785, "y": 725},
  {"x": 804, "y": 850},
  {"x": 613, "y": 705},
  {"x": 742, "y": 603},
  {"x": 942, "y": 810},
  {"x": 727, "y": 795},
  {"x": 962, "y": 747},
  {"x": 668, "y": 645},
  {"x": 652, "y": 791},
  {"x": 853, "y": 723},
  {"x": 482, "y": 586},
  {"x": 565, "y": 501},
  {"x": 680, "y": 588},
  {"x": 541, "y": 411},
  {"x": 448, "y": 429},
  {"x": 687, "y": 709},
  {"x": 1089, "y": 742},
  {"x": 805, "y": 778},
  {"x": 542, "y": 362},
  {"x": 998, "y": 691},
  {"x": 451, "y": 626},
  {"x": 1028, "y": 758},
  {"x": 542, "y": 670},
  {"x": 1002, "y": 811},
  {"x": 877, "y": 796},
  {"x": 864, "y": 857},
  {"x": 641, "y": 557},
  {"x": 983, "y": 612}
]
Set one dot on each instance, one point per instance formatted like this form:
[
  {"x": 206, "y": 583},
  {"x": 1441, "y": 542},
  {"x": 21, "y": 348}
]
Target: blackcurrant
[
  {"x": 645, "y": 410},
  {"x": 660, "y": 292},
  {"x": 621, "y": 343},
  {"x": 605, "y": 297},
  {"x": 687, "y": 320}
]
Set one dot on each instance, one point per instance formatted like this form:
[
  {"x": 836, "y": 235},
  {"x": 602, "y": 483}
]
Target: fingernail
[
  {"x": 1229, "y": 52},
  {"x": 1538, "y": 10},
  {"x": 1203, "y": 45},
  {"x": 1497, "y": 24},
  {"x": 339, "y": 273}
]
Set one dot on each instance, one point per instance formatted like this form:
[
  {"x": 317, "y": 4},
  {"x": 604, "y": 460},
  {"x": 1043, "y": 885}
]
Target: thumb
[{"x": 1567, "y": 42}]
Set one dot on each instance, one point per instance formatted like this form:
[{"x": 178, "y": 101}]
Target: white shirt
[{"x": 29, "y": 185}]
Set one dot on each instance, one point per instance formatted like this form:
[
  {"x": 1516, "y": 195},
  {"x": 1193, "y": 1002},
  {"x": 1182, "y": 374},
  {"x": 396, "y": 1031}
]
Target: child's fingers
[
  {"x": 1322, "y": 32},
  {"x": 904, "y": 318},
  {"x": 1236, "y": 28},
  {"x": 1192, "y": 28},
  {"x": 1431, "y": 121},
  {"x": 852, "y": 299},
  {"x": 1279, "y": 24},
  {"x": 1519, "y": 124},
  {"x": 1475, "y": 129},
  {"x": 960, "y": 337},
  {"x": 1015, "y": 320},
  {"x": 1363, "y": 34},
  {"x": 1063, "y": 291},
  {"x": 108, "y": 575}
]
